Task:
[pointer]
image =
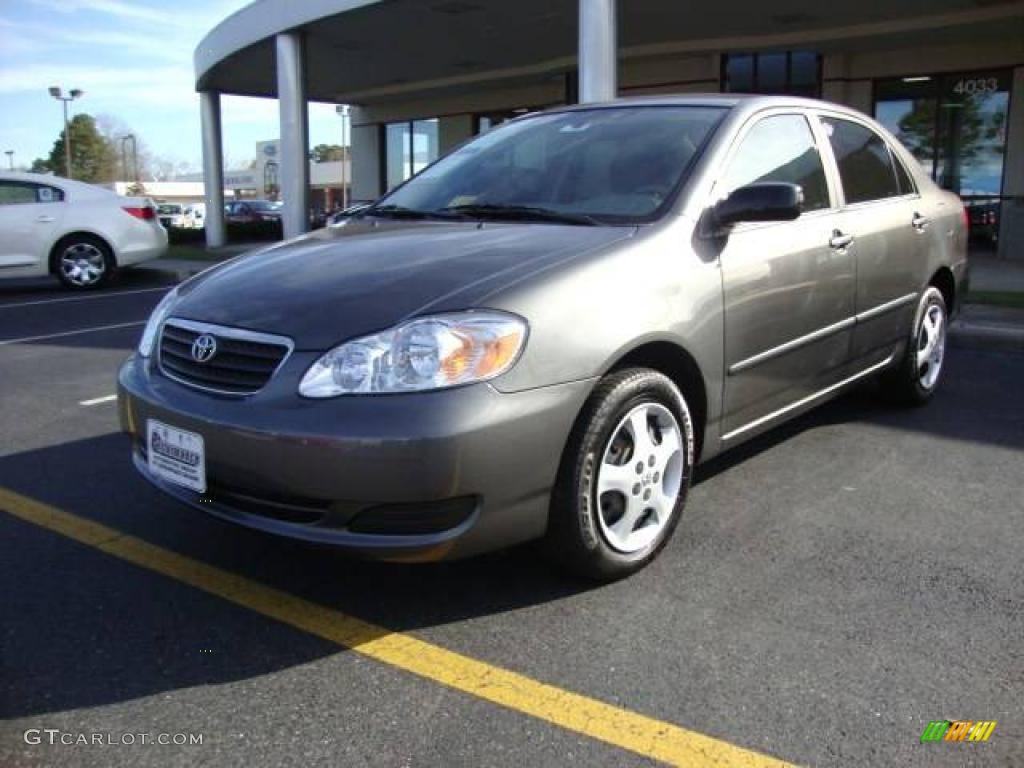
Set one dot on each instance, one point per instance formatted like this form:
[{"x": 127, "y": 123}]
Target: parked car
[
  {"x": 541, "y": 334},
  {"x": 194, "y": 216},
  {"x": 983, "y": 220},
  {"x": 254, "y": 216},
  {"x": 77, "y": 232},
  {"x": 172, "y": 215}
]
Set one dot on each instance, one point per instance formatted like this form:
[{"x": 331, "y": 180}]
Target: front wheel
[
  {"x": 918, "y": 376},
  {"x": 624, "y": 477}
]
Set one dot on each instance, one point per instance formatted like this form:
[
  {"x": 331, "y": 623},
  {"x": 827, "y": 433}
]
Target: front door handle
[
  {"x": 839, "y": 241},
  {"x": 44, "y": 219},
  {"x": 919, "y": 222}
]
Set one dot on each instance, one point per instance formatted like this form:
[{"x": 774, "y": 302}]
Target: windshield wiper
[
  {"x": 402, "y": 212},
  {"x": 521, "y": 213}
]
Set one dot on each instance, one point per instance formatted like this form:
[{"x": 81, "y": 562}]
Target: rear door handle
[
  {"x": 44, "y": 219},
  {"x": 839, "y": 241},
  {"x": 919, "y": 222}
]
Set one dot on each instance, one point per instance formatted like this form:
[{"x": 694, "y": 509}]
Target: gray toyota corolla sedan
[{"x": 542, "y": 333}]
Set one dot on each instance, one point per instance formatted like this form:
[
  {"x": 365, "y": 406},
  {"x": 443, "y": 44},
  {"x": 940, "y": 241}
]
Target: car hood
[{"x": 344, "y": 282}]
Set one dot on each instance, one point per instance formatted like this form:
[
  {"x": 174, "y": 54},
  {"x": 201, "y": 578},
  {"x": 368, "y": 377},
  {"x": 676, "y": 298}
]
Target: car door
[
  {"x": 884, "y": 215},
  {"x": 29, "y": 216},
  {"x": 788, "y": 287}
]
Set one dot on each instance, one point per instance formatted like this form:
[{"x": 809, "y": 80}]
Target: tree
[
  {"x": 114, "y": 130},
  {"x": 327, "y": 153},
  {"x": 39, "y": 165},
  {"x": 969, "y": 132},
  {"x": 93, "y": 159}
]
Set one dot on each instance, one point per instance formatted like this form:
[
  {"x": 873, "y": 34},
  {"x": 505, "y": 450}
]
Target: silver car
[{"x": 541, "y": 335}]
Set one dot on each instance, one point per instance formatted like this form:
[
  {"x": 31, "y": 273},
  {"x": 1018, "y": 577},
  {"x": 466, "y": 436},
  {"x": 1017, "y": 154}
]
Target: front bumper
[{"x": 409, "y": 477}]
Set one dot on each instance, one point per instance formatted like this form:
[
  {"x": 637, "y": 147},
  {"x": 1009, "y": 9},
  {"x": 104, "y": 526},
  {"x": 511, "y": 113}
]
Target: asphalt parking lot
[{"x": 835, "y": 586}]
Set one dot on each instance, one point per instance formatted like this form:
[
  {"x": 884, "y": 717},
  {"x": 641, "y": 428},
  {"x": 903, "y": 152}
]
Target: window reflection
[{"x": 955, "y": 125}]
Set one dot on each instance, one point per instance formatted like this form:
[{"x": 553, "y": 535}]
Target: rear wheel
[
  {"x": 83, "y": 262},
  {"x": 624, "y": 477},
  {"x": 920, "y": 373}
]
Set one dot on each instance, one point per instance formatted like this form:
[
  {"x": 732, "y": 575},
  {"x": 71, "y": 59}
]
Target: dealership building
[{"x": 946, "y": 76}]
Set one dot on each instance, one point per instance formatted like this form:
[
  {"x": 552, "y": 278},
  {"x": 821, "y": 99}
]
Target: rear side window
[
  {"x": 780, "y": 148},
  {"x": 865, "y": 163},
  {"x": 24, "y": 192},
  {"x": 906, "y": 184}
]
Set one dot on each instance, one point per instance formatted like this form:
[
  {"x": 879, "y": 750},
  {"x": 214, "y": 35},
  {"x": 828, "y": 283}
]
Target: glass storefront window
[
  {"x": 771, "y": 73},
  {"x": 396, "y": 153},
  {"x": 791, "y": 72},
  {"x": 739, "y": 73},
  {"x": 424, "y": 144},
  {"x": 409, "y": 147},
  {"x": 955, "y": 125}
]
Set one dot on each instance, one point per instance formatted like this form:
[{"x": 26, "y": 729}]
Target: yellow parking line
[{"x": 614, "y": 725}]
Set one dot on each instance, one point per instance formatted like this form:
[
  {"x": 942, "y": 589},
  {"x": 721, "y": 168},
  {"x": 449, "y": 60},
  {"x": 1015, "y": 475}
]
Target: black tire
[
  {"x": 575, "y": 539},
  {"x": 91, "y": 249},
  {"x": 907, "y": 383}
]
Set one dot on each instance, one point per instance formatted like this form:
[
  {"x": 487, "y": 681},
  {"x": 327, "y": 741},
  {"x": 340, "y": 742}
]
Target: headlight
[
  {"x": 153, "y": 324},
  {"x": 426, "y": 353}
]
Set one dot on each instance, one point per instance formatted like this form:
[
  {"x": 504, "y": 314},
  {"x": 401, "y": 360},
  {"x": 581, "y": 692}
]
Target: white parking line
[
  {"x": 99, "y": 400},
  {"x": 70, "y": 333},
  {"x": 108, "y": 295}
]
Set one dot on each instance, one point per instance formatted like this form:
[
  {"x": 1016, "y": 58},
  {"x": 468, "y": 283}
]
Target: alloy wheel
[
  {"x": 83, "y": 264},
  {"x": 639, "y": 478},
  {"x": 931, "y": 346}
]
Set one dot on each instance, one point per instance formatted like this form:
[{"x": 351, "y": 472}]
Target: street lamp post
[
  {"x": 10, "y": 159},
  {"x": 73, "y": 94},
  {"x": 128, "y": 140}
]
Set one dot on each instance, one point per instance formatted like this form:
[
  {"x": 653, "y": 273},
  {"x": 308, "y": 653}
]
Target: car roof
[{"x": 743, "y": 101}]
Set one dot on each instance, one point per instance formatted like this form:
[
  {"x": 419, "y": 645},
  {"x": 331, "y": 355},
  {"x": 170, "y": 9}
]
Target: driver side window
[{"x": 779, "y": 148}]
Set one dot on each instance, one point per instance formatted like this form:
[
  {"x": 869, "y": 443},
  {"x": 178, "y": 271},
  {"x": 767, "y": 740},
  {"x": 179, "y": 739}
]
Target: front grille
[{"x": 243, "y": 362}]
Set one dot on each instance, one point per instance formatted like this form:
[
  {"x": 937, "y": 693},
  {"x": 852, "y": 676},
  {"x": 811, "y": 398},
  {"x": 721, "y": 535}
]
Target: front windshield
[
  {"x": 264, "y": 205},
  {"x": 615, "y": 165},
  {"x": 169, "y": 209}
]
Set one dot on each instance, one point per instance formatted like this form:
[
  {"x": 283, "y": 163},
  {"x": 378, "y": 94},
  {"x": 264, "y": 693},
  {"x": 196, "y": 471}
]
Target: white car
[
  {"x": 194, "y": 216},
  {"x": 75, "y": 231},
  {"x": 171, "y": 215}
]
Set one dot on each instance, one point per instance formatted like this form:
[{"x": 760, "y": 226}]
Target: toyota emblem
[{"x": 204, "y": 348}]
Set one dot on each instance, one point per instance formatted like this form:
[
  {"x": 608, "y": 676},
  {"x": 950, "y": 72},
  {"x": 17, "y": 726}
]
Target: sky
[{"x": 133, "y": 59}]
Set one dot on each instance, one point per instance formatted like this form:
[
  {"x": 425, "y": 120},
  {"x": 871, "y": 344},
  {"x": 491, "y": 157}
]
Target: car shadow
[
  {"x": 87, "y": 630},
  {"x": 83, "y": 629},
  {"x": 966, "y": 408}
]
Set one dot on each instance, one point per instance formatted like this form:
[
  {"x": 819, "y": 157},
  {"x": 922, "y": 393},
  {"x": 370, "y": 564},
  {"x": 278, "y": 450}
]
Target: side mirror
[{"x": 763, "y": 201}]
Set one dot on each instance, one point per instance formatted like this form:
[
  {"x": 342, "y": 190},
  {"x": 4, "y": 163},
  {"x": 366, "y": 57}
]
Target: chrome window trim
[
  {"x": 227, "y": 332},
  {"x": 807, "y": 400}
]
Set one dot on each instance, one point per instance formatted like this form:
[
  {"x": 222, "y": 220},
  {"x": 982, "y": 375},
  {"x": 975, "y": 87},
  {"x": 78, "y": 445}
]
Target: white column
[
  {"x": 597, "y": 50},
  {"x": 291, "y": 95},
  {"x": 364, "y": 138},
  {"x": 213, "y": 168}
]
